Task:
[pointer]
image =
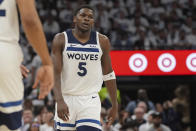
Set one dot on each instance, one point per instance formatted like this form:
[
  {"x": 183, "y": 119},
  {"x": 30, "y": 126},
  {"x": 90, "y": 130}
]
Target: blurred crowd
[
  {"x": 140, "y": 114},
  {"x": 130, "y": 25}
]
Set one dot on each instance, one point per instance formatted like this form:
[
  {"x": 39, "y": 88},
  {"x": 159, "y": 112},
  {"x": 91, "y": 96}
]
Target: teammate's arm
[
  {"x": 33, "y": 29},
  {"x": 57, "y": 49},
  {"x": 34, "y": 33},
  {"x": 110, "y": 84}
]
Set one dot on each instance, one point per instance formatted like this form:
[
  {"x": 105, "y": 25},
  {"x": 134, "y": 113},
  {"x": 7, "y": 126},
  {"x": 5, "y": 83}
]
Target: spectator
[
  {"x": 139, "y": 116},
  {"x": 49, "y": 122},
  {"x": 138, "y": 120},
  {"x": 170, "y": 117},
  {"x": 155, "y": 10},
  {"x": 131, "y": 126},
  {"x": 122, "y": 119},
  {"x": 172, "y": 35},
  {"x": 181, "y": 42},
  {"x": 157, "y": 123},
  {"x": 141, "y": 96},
  {"x": 50, "y": 27},
  {"x": 65, "y": 16},
  {"x": 191, "y": 38},
  {"x": 27, "y": 118},
  {"x": 103, "y": 18},
  {"x": 43, "y": 112},
  {"x": 143, "y": 105},
  {"x": 149, "y": 123},
  {"x": 181, "y": 105},
  {"x": 187, "y": 26},
  {"x": 143, "y": 42},
  {"x": 162, "y": 40}
]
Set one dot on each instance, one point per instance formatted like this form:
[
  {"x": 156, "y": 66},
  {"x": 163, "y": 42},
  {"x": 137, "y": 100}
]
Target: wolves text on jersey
[{"x": 80, "y": 56}]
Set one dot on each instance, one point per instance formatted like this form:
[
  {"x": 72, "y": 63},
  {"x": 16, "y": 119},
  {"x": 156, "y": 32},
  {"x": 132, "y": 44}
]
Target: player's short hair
[{"x": 82, "y": 7}]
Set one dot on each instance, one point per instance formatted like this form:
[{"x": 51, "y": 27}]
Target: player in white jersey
[
  {"x": 81, "y": 59},
  {"x": 11, "y": 86}
]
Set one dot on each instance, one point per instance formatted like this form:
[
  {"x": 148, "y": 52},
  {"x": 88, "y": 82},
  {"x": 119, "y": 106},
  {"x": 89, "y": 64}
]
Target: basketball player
[
  {"x": 81, "y": 62},
  {"x": 11, "y": 86}
]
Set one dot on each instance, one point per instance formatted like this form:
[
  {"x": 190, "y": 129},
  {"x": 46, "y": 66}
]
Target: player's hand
[
  {"x": 45, "y": 80},
  {"x": 24, "y": 71},
  {"x": 112, "y": 115},
  {"x": 62, "y": 110}
]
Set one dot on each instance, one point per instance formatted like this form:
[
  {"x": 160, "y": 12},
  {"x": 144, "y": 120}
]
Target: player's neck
[{"x": 81, "y": 35}]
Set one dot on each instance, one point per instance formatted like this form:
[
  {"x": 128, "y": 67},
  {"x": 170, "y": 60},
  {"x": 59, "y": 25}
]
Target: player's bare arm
[
  {"x": 33, "y": 29},
  {"x": 34, "y": 33},
  {"x": 57, "y": 49},
  {"x": 107, "y": 69}
]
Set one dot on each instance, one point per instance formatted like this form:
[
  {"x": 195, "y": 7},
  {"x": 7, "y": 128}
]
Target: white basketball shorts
[
  {"x": 11, "y": 86},
  {"x": 83, "y": 110}
]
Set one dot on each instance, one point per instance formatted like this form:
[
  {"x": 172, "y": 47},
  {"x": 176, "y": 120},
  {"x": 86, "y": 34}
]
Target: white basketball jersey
[
  {"x": 9, "y": 27},
  {"x": 82, "y": 71}
]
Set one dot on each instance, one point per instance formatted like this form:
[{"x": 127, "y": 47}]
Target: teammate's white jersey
[
  {"x": 82, "y": 71},
  {"x": 9, "y": 27}
]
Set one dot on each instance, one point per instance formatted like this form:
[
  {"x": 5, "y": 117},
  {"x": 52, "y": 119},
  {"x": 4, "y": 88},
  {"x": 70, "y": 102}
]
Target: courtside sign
[{"x": 167, "y": 62}]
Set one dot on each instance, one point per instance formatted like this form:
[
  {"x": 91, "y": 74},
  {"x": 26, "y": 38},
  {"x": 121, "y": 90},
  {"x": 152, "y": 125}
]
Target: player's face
[{"x": 84, "y": 19}]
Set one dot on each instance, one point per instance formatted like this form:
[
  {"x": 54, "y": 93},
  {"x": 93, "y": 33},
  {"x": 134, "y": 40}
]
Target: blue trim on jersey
[
  {"x": 10, "y": 104},
  {"x": 72, "y": 39},
  {"x": 2, "y": 12},
  {"x": 87, "y": 128},
  {"x": 12, "y": 120},
  {"x": 82, "y": 49},
  {"x": 79, "y": 121},
  {"x": 89, "y": 120},
  {"x": 65, "y": 124}
]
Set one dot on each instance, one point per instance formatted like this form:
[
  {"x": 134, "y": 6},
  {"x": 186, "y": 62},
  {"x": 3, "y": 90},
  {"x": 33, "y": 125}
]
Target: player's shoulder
[
  {"x": 59, "y": 39},
  {"x": 104, "y": 42},
  {"x": 59, "y": 36},
  {"x": 103, "y": 37}
]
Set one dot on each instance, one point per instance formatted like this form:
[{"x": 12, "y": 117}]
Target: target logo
[
  {"x": 138, "y": 62},
  {"x": 166, "y": 62},
  {"x": 191, "y": 62}
]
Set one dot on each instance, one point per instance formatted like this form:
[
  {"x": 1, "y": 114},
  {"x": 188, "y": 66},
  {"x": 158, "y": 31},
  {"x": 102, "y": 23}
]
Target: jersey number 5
[
  {"x": 82, "y": 69},
  {"x": 2, "y": 12}
]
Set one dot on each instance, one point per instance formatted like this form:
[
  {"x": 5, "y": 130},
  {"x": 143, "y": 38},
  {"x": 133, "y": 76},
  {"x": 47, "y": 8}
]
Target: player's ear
[{"x": 93, "y": 23}]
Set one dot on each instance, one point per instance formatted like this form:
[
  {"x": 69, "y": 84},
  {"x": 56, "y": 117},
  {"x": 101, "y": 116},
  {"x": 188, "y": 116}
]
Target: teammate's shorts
[
  {"x": 11, "y": 86},
  {"x": 83, "y": 110}
]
